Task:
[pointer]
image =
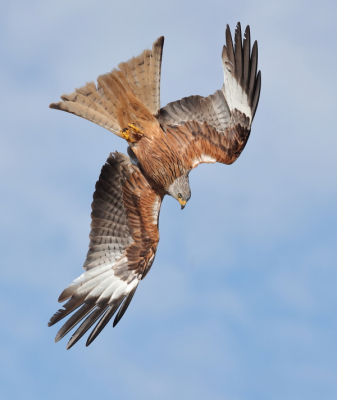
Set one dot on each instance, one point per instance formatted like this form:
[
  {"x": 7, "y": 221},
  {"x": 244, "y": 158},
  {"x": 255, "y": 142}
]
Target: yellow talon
[
  {"x": 133, "y": 135},
  {"x": 135, "y": 129},
  {"x": 125, "y": 134}
]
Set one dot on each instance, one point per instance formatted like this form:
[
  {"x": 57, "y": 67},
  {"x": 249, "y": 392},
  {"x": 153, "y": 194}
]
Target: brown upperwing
[
  {"x": 201, "y": 143},
  {"x": 142, "y": 205},
  {"x": 216, "y": 128},
  {"x": 123, "y": 243}
]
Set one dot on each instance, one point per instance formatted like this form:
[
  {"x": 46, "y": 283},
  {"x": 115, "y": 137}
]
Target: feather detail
[
  {"x": 124, "y": 239},
  {"x": 86, "y": 325},
  {"x": 143, "y": 75},
  {"x": 124, "y": 306},
  {"x": 241, "y": 86},
  {"x": 74, "y": 320},
  {"x": 128, "y": 95},
  {"x": 103, "y": 322}
]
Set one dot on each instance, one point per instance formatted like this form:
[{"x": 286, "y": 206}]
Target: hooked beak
[{"x": 182, "y": 203}]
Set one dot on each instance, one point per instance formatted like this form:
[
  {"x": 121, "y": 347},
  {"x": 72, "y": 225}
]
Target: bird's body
[
  {"x": 164, "y": 163},
  {"x": 165, "y": 144}
]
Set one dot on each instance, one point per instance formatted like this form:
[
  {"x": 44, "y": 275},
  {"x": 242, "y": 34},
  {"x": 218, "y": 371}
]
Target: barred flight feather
[{"x": 110, "y": 276}]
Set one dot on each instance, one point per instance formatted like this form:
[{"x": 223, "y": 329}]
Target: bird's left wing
[
  {"x": 123, "y": 242},
  {"x": 216, "y": 128}
]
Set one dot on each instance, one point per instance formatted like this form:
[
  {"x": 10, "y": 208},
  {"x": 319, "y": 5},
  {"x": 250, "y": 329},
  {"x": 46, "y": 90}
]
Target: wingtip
[
  {"x": 247, "y": 32},
  {"x": 224, "y": 55},
  {"x": 254, "y": 47},
  {"x": 54, "y": 319},
  {"x": 74, "y": 339},
  {"x": 237, "y": 31},
  {"x": 243, "y": 58},
  {"x": 257, "y": 93}
]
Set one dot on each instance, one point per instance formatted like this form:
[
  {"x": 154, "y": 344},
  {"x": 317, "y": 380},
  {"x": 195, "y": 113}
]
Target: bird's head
[{"x": 180, "y": 190}]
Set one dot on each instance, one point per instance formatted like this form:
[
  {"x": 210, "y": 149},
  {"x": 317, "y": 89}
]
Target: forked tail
[{"x": 130, "y": 94}]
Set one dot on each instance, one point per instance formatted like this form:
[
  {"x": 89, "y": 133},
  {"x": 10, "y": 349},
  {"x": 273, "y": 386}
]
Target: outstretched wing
[
  {"x": 105, "y": 102},
  {"x": 123, "y": 242},
  {"x": 217, "y": 127}
]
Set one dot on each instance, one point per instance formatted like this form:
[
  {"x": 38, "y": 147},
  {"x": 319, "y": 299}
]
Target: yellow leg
[
  {"x": 135, "y": 129},
  {"x": 125, "y": 134},
  {"x": 131, "y": 136}
]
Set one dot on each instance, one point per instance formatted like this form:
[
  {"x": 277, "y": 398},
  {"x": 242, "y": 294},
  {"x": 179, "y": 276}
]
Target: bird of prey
[{"x": 164, "y": 145}]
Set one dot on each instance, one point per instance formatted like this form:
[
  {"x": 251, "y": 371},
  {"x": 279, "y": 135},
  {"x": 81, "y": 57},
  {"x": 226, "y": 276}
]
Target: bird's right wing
[
  {"x": 123, "y": 242},
  {"x": 217, "y": 127}
]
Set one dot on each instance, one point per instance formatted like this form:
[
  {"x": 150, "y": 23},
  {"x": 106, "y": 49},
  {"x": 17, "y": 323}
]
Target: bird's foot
[
  {"x": 125, "y": 134},
  {"x": 136, "y": 130},
  {"x": 131, "y": 135}
]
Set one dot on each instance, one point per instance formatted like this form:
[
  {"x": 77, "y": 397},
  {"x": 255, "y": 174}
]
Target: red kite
[{"x": 165, "y": 144}]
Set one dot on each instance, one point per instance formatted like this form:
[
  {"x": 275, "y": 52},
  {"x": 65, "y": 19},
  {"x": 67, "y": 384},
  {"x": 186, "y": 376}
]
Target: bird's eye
[{"x": 179, "y": 195}]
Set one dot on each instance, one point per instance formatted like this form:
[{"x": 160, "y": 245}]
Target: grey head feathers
[{"x": 180, "y": 190}]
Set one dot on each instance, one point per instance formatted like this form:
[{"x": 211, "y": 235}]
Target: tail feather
[
  {"x": 155, "y": 72},
  {"x": 88, "y": 103},
  {"x": 108, "y": 104},
  {"x": 143, "y": 75}
]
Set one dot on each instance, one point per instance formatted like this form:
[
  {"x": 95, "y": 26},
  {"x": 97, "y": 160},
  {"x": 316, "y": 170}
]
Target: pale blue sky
[{"x": 241, "y": 301}]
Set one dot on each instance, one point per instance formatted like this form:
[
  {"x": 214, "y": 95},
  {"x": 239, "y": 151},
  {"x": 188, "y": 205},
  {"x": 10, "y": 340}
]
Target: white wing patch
[
  {"x": 155, "y": 211},
  {"x": 100, "y": 284},
  {"x": 235, "y": 96},
  {"x": 204, "y": 158}
]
